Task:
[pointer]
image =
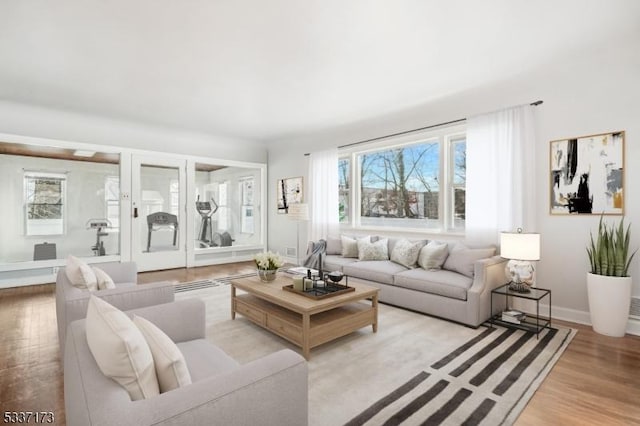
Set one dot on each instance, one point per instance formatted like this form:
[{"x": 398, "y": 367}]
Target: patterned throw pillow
[
  {"x": 406, "y": 253},
  {"x": 433, "y": 255},
  {"x": 373, "y": 251}
]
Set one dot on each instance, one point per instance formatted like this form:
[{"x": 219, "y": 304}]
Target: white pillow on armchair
[{"x": 80, "y": 274}]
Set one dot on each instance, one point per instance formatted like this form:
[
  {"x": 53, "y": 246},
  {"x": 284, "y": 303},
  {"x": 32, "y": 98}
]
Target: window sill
[{"x": 402, "y": 232}]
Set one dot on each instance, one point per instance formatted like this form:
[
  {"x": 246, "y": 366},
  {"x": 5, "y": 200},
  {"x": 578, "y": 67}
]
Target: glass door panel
[
  {"x": 227, "y": 206},
  {"x": 158, "y": 200}
]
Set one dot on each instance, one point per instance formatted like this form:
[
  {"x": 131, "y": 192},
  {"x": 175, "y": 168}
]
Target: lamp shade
[
  {"x": 520, "y": 245},
  {"x": 299, "y": 212}
]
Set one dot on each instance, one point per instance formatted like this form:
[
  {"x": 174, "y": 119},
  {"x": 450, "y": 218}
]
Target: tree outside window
[
  {"x": 44, "y": 203},
  {"x": 415, "y": 185},
  {"x": 344, "y": 173},
  {"x": 400, "y": 187},
  {"x": 459, "y": 180}
]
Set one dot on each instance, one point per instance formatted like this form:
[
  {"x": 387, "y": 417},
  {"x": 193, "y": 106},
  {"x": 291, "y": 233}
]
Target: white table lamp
[{"x": 521, "y": 248}]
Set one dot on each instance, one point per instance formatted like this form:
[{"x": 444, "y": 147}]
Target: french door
[{"x": 158, "y": 200}]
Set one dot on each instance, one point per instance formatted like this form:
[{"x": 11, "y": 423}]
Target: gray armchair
[
  {"x": 269, "y": 391},
  {"x": 71, "y": 302}
]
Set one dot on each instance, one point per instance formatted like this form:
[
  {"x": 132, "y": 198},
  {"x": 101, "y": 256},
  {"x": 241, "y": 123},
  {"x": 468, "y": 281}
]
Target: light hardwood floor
[{"x": 596, "y": 381}]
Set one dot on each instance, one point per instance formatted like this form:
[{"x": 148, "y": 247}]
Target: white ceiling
[{"x": 266, "y": 69}]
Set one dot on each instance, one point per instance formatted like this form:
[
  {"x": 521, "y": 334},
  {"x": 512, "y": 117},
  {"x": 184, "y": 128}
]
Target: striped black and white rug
[
  {"x": 207, "y": 283},
  {"x": 488, "y": 380}
]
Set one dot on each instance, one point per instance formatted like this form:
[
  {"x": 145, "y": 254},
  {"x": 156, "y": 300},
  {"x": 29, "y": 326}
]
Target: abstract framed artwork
[
  {"x": 587, "y": 175},
  {"x": 289, "y": 192}
]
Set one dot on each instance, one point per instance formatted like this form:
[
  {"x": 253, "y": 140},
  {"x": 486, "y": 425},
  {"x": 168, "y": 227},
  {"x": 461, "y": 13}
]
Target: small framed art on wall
[{"x": 289, "y": 192}]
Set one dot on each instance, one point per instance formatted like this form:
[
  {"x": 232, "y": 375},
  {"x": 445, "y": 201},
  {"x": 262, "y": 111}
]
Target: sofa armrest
[
  {"x": 272, "y": 390},
  {"x": 74, "y": 305},
  {"x": 488, "y": 275},
  {"x": 182, "y": 320},
  {"x": 254, "y": 393}
]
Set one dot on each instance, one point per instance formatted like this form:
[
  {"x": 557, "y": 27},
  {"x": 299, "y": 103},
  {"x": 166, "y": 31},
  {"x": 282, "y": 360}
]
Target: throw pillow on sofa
[
  {"x": 171, "y": 368},
  {"x": 406, "y": 253},
  {"x": 373, "y": 251},
  {"x": 350, "y": 245},
  {"x": 462, "y": 259},
  {"x": 80, "y": 274},
  {"x": 104, "y": 280},
  {"x": 334, "y": 246},
  {"x": 433, "y": 255},
  {"x": 120, "y": 349}
]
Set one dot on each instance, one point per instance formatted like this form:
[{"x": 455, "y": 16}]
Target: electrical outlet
[
  {"x": 290, "y": 251},
  {"x": 55, "y": 270}
]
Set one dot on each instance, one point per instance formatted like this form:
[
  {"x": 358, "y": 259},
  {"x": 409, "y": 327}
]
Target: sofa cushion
[
  {"x": 372, "y": 251},
  {"x": 335, "y": 263},
  {"x": 462, "y": 259},
  {"x": 406, "y": 252},
  {"x": 381, "y": 271},
  {"x": 433, "y": 255},
  {"x": 171, "y": 368},
  {"x": 120, "y": 349},
  {"x": 440, "y": 282},
  {"x": 334, "y": 246},
  {"x": 104, "y": 280},
  {"x": 205, "y": 360},
  {"x": 80, "y": 274}
]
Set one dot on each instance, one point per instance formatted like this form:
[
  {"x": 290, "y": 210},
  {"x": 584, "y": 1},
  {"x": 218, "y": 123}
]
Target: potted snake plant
[{"x": 609, "y": 283}]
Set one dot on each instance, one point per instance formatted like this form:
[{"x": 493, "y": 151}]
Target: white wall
[
  {"x": 26, "y": 120},
  {"x": 589, "y": 92}
]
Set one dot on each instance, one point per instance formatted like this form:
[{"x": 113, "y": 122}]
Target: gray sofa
[
  {"x": 72, "y": 302},
  {"x": 441, "y": 293},
  {"x": 269, "y": 391}
]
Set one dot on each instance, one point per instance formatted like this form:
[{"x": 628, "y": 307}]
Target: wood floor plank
[{"x": 595, "y": 382}]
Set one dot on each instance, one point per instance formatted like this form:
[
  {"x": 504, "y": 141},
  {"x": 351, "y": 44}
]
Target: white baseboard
[
  {"x": 583, "y": 317},
  {"x": 25, "y": 281}
]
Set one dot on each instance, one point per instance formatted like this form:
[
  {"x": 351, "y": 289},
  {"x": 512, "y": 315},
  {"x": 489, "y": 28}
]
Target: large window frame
[{"x": 447, "y": 140}]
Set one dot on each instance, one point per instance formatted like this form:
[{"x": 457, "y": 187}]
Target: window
[
  {"x": 246, "y": 191},
  {"x": 174, "y": 196},
  {"x": 223, "y": 206},
  {"x": 419, "y": 184},
  {"x": 344, "y": 171},
  {"x": 112, "y": 200},
  {"x": 44, "y": 195},
  {"x": 458, "y": 148}
]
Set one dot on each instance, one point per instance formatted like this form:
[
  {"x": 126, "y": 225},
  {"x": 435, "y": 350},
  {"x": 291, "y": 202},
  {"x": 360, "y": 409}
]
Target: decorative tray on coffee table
[{"x": 330, "y": 289}]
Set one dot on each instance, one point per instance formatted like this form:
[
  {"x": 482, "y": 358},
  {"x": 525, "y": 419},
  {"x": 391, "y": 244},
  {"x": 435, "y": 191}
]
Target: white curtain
[
  {"x": 323, "y": 199},
  {"x": 500, "y": 188}
]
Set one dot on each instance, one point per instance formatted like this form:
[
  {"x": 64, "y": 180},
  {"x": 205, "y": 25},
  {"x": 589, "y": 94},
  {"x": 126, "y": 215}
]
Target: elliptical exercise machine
[
  {"x": 99, "y": 225},
  {"x": 206, "y": 209}
]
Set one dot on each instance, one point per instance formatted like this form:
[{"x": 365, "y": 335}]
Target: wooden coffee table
[{"x": 304, "y": 322}]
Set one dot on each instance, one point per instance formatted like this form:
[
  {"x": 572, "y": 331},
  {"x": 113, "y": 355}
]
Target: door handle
[{"x": 135, "y": 212}]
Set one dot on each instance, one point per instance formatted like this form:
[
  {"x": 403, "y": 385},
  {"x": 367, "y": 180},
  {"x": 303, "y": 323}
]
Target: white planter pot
[{"x": 609, "y": 302}]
